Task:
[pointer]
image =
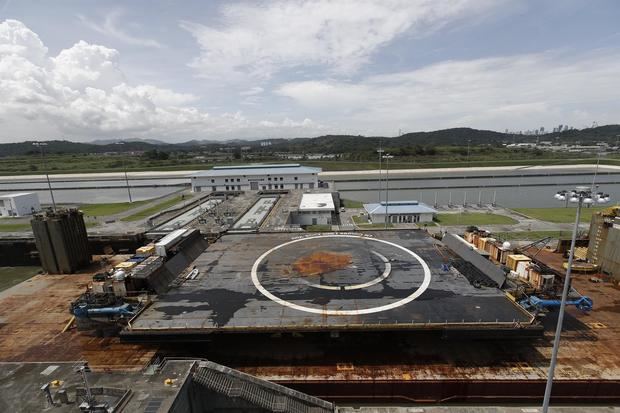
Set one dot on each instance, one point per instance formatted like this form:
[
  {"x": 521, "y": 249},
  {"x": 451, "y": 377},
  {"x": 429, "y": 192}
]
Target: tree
[{"x": 155, "y": 154}]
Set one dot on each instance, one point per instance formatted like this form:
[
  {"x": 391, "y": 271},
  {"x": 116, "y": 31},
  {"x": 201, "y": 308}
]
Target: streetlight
[
  {"x": 125, "y": 169},
  {"x": 387, "y": 158},
  {"x": 49, "y": 184},
  {"x": 580, "y": 195},
  {"x": 380, "y": 152}
]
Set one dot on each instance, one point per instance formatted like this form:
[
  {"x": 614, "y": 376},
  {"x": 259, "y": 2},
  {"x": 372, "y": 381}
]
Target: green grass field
[
  {"x": 145, "y": 213},
  {"x": 360, "y": 220},
  {"x": 92, "y": 163},
  {"x": 474, "y": 218},
  {"x": 10, "y": 276},
  {"x": 318, "y": 228},
  {"x": 102, "y": 210},
  {"x": 559, "y": 215},
  {"x": 13, "y": 226},
  {"x": 348, "y": 203}
]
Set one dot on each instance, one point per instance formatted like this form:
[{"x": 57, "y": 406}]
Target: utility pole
[
  {"x": 125, "y": 169},
  {"x": 580, "y": 195},
  {"x": 47, "y": 176},
  {"x": 380, "y": 152},
  {"x": 387, "y": 158}
]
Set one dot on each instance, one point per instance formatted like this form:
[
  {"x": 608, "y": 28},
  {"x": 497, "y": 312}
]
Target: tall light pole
[
  {"x": 580, "y": 195},
  {"x": 47, "y": 176},
  {"x": 125, "y": 169},
  {"x": 387, "y": 158},
  {"x": 380, "y": 152}
]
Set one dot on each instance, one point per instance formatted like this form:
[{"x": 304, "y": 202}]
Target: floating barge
[{"x": 330, "y": 282}]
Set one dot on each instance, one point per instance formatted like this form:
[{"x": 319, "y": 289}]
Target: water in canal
[{"x": 508, "y": 191}]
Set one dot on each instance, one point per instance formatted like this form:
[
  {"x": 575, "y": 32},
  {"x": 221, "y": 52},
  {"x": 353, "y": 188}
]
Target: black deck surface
[{"x": 327, "y": 282}]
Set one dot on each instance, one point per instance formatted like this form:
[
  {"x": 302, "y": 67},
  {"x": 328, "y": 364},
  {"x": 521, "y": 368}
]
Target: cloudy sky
[{"x": 169, "y": 70}]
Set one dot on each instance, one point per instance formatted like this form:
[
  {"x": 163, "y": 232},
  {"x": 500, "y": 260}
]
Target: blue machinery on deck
[
  {"x": 83, "y": 311},
  {"x": 533, "y": 302}
]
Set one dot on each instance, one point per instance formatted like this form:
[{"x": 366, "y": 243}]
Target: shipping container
[
  {"x": 513, "y": 259},
  {"x": 146, "y": 250},
  {"x": 127, "y": 265}
]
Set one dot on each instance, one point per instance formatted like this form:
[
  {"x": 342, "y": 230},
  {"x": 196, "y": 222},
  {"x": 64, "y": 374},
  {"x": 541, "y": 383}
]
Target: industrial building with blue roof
[{"x": 400, "y": 212}]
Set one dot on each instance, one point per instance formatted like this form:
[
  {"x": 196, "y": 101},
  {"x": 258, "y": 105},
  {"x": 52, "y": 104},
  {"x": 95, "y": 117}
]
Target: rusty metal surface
[
  {"x": 33, "y": 314},
  {"x": 588, "y": 364},
  {"x": 377, "y": 366},
  {"x": 326, "y": 282},
  {"x": 321, "y": 262}
]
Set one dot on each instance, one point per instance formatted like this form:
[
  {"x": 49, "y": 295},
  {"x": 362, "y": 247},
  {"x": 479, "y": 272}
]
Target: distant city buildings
[
  {"x": 541, "y": 131},
  {"x": 599, "y": 147}
]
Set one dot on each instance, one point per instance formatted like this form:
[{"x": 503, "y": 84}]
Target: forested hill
[
  {"x": 68, "y": 147},
  {"x": 328, "y": 143}
]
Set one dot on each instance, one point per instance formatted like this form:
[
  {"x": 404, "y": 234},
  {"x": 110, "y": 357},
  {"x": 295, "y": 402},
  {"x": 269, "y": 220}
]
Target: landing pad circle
[{"x": 425, "y": 283}]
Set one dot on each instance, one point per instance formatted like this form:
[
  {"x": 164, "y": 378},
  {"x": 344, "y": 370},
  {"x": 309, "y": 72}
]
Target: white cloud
[
  {"x": 496, "y": 93},
  {"x": 256, "y": 40},
  {"x": 256, "y": 90},
  {"x": 289, "y": 123},
  {"x": 111, "y": 26},
  {"x": 17, "y": 40},
  {"x": 81, "y": 93}
]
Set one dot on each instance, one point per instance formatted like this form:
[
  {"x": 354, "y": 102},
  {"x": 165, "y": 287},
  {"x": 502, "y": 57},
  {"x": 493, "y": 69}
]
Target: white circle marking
[{"x": 425, "y": 283}]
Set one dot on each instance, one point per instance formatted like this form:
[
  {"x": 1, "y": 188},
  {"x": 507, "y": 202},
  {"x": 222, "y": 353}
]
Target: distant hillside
[
  {"x": 67, "y": 147},
  {"x": 327, "y": 143},
  {"x": 119, "y": 140}
]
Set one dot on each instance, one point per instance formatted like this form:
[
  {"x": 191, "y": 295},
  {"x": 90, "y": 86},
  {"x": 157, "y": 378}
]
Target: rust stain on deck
[
  {"x": 321, "y": 262},
  {"x": 34, "y": 313}
]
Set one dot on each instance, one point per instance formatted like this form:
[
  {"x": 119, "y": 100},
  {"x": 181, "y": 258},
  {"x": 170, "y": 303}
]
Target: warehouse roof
[
  {"x": 317, "y": 202},
  {"x": 16, "y": 194},
  {"x": 257, "y": 169},
  {"x": 399, "y": 207}
]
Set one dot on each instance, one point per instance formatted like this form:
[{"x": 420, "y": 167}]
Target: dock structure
[
  {"x": 253, "y": 218},
  {"x": 329, "y": 282},
  {"x": 368, "y": 365}
]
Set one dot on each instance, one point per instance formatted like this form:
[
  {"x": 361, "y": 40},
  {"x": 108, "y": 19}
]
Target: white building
[
  {"x": 400, "y": 212},
  {"x": 315, "y": 209},
  {"x": 19, "y": 204},
  {"x": 255, "y": 178}
]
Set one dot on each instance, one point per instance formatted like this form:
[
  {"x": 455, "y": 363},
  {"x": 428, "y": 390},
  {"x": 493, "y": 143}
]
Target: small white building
[
  {"x": 255, "y": 178},
  {"x": 315, "y": 209},
  {"x": 400, "y": 212},
  {"x": 19, "y": 204}
]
